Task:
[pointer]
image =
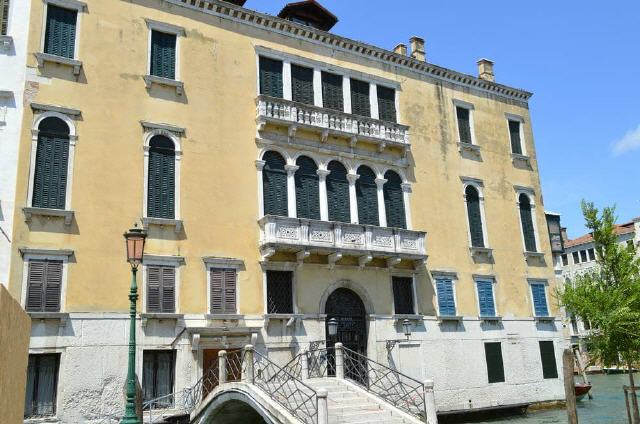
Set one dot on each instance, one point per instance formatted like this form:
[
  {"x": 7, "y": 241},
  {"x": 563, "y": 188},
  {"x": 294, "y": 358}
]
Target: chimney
[
  {"x": 417, "y": 48},
  {"x": 563, "y": 232},
  {"x": 400, "y": 49},
  {"x": 485, "y": 70}
]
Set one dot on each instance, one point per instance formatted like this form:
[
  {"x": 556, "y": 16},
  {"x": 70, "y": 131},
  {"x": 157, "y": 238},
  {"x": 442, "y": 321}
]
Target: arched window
[
  {"x": 307, "y": 189},
  {"x": 475, "y": 216},
  {"x": 52, "y": 159},
  {"x": 274, "y": 184},
  {"x": 161, "y": 183},
  {"x": 338, "y": 193},
  {"x": 394, "y": 200},
  {"x": 526, "y": 219},
  {"x": 367, "y": 196}
]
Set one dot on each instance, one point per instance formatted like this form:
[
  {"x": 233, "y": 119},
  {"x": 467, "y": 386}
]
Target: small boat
[{"x": 582, "y": 389}]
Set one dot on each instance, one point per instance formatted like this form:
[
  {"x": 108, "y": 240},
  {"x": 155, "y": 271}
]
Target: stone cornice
[{"x": 271, "y": 23}]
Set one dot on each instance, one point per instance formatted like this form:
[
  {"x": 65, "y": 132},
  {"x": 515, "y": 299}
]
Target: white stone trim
[
  {"x": 162, "y": 260},
  {"x": 351, "y": 285},
  {"x": 151, "y": 130},
  {"x": 287, "y": 89},
  {"x": 478, "y": 185},
  {"x": 530, "y": 193},
  {"x": 317, "y": 87},
  {"x": 353, "y": 199},
  {"x": 373, "y": 101},
  {"x": 523, "y": 141},
  {"x": 324, "y": 200},
  {"x": 176, "y": 30},
  {"x": 382, "y": 213},
  {"x": 29, "y": 254},
  {"x": 346, "y": 93},
  {"x": 73, "y": 139},
  {"x": 469, "y": 106},
  {"x": 76, "y": 5},
  {"x": 406, "y": 197},
  {"x": 291, "y": 189},
  {"x": 259, "y": 167}
]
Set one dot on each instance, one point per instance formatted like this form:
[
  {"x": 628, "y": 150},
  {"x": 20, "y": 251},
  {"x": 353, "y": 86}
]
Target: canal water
[{"x": 606, "y": 407}]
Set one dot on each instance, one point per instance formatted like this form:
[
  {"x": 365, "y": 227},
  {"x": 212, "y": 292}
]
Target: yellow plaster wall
[{"x": 219, "y": 202}]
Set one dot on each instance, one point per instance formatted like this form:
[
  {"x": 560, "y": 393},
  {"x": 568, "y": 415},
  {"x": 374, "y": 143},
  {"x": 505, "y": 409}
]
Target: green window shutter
[
  {"x": 60, "y": 33},
  {"x": 4, "y": 16},
  {"x": 302, "y": 84},
  {"x": 495, "y": 365},
  {"x": 44, "y": 285},
  {"x": 274, "y": 185},
  {"x": 475, "y": 217},
  {"x": 279, "y": 292},
  {"x": 161, "y": 178},
  {"x": 338, "y": 193},
  {"x": 307, "y": 189},
  {"x": 367, "y": 197},
  {"x": 52, "y": 158},
  {"x": 387, "y": 104},
  {"x": 271, "y": 77},
  {"x": 163, "y": 54},
  {"x": 394, "y": 201},
  {"x": 332, "y": 96},
  {"x": 548, "y": 359},
  {"x": 360, "y": 104},
  {"x": 514, "y": 133},
  {"x": 403, "y": 295},
  {"x": 223, "y": 291},
  {"x": 464, "y": 124},
  {"x": 526, "y": 219}
]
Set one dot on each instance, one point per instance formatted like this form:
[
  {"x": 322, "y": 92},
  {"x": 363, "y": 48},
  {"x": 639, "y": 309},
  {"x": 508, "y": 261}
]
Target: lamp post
[
  {"x": 406, "y": 328},
  {"x": 333, "y": 327},
  {"x": 135, "y": 239}
]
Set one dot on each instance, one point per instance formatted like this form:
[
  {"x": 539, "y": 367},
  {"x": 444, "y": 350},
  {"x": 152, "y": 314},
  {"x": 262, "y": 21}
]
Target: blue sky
[{"x": 579, "y": 58}]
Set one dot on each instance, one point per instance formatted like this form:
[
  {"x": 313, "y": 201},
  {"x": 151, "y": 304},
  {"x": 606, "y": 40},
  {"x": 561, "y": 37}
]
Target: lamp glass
[
  {"x": 406, "y": 326},
  {"x": 135, "y": 239},
  {"x": 333, "y": 327}
]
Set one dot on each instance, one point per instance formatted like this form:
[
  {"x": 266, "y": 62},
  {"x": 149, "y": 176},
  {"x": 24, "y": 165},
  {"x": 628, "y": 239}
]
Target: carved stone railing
[
  {"x": 364, "y": 241},
  {"x": 330, "y": 122}
]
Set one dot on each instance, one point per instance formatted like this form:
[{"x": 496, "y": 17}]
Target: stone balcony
[
  {"x": 337, "y": 240},
  {"x": 327, "y": 122}
]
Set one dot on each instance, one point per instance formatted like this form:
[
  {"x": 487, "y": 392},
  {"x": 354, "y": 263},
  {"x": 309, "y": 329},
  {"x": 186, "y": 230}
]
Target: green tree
[{"x": 608, "y": 297}]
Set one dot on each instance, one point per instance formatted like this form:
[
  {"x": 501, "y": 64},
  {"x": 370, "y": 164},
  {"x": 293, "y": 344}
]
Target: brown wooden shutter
[
  {"x": 35, "y": 286},
  {"x": 153, "y": 289},
  {"x": 53, "y": 286},
  {"x": 168, "y": 289},
  {"x": 223, "y": 291},
  {"x": 217, "y": 286},
  {"x": 230, "y": 291}
]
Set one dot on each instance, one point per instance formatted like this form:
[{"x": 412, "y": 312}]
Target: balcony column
[
  {"x": 291, "y": 189},
  {"x": 406, "y": 190},
  {"x": 353, "y": 200},
  {"x": 324, "y": 204},
  {"x": 286, "y": 80},
  {"x": 382, "y": 213},
  {"x": 373, "y": 101},
  {"x": 346, "y": 94},
  {"x": 317, "y": 87},
  {"x": 259, "y": 166}
]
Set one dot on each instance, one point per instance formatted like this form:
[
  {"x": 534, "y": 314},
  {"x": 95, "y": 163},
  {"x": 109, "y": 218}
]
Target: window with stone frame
[
  {"x": 158, "y": 372},
  {"x": 4, "y": 16},
  {"x": 583, "y": 256},
  {"x": 161, "y": 289},
  {"x": 464, "y": 124},
  {"x": 516, "y": 139},
  {"x": 44, "y": 286},
  {"x": 576, "y": 257},
  {"x": 60, "y": 31},
  {"x": 279, "y": 292},
  {"x": 403, "y": 295},
  {"x": 42, "y": 385},
  {"x": 592, "y": 254}
]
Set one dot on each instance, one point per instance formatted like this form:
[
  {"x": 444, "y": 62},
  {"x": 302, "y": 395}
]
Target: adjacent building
[{"x": 286, "y": 176}]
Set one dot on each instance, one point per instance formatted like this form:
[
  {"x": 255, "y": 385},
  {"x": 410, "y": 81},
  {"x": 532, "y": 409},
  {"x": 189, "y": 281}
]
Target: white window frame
[
  {"x": 165, "y": 28},
  {"x": 471, "y": 108},
  {"x": 174, "y": 134},
  {"x": 61, "y": 382},
  {"x": 441, "y": 275},
  {"x": 211, "y": 262},
  {"x": 31, "y": 254},
  {"x": 167, "y": 261},
  {"x": 530, "y": 193},
  {"x": 280, "y": 266},
  {"x": 478, "y": 184},
  {"x": 414, "y": 292},
  {"x": 486, "y": 278},
  {"x": 532, "y": 281},
  {"x": 73, "y": 139},
  {"x": 76, "y": 5},
  {"x": 523, "y": 142}
]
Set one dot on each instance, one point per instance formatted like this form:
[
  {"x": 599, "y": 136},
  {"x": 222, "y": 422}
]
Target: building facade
[
  {"x": 14, "y": 28},
  {"x": 285, "y": 176}
]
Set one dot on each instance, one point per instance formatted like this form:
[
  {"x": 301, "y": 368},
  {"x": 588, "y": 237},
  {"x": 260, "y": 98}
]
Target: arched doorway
[{"x": 347, "y": 308}]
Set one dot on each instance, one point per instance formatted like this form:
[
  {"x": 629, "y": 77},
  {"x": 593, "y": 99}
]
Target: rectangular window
[
  {"x": 592, "y": 254},
  {"x": 223, "y": 291},
  {"x": 4, "y": 16},
  {"x": 42, "y": 385},
  {"x": 583, "y": 256},
  {"x": 161, "y": 289},
  {"x": 44, "y": 285},
  {"x": 539, "y": 294},
  {"x": 387, "y": 104},
  {"x": 576, "y": 257},
  {"x": 271, "y": 77},
  {"x": 548, "y": 359},
  {"x": 302, "y": 84},
  {"x": 157, "y": 377},
  {"x": 403, "y": 295},
  {"x": 514, "y": 133},
  {"x": 279, "y": 292},
  {"x": 464, "y": 124},
  {"x": 332, "y": 96},
  {"x": 446, "y": 300},
  {"x": 495, "y": 366},
  {"x": 163, "y": 54},
  {"x": 485, "y": 298},
  {"x": 565, "y": 260},
  {"x": 360, "y": 104},
  {"x": 60, "y": 32}
]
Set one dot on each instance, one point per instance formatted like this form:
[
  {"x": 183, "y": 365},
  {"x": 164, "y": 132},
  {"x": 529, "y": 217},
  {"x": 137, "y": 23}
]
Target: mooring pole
[{"x": 569, "y": 385}]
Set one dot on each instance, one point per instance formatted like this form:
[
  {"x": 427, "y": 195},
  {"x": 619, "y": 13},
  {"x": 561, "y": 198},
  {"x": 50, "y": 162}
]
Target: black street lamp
[{"x": 135, "y": 239}]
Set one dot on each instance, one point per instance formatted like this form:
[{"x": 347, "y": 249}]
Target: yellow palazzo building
[{"x": 286, "y": 176}]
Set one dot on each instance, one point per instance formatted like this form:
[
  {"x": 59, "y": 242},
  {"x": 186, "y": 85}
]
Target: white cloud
[{"x": 630, "y": 141}]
